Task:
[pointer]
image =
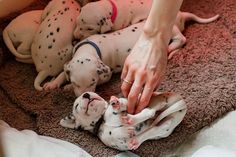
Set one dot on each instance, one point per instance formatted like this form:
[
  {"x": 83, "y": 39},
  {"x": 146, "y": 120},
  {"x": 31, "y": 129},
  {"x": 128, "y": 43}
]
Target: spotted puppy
[
  {"x": 97, "y": 57},
  {"x": 109, "y": 15},
  {"x": 123, "y": 131},
  {"x": 52, "y": 45},
  {"x": 18, "y": 35}
]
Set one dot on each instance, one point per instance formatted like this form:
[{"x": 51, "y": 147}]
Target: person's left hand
[{"x": 143, "y": 70}]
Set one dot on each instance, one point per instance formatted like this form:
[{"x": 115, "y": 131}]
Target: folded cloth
[{"x": 27, "y": 143}]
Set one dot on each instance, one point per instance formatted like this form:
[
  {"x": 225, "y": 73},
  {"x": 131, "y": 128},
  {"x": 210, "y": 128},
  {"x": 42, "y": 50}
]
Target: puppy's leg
[
  {"x": 178, "y": 40},
  {"x": 152, "y": 133},
  {"x": 144, "y": 115},
  {"x": 56, "y": 83}
]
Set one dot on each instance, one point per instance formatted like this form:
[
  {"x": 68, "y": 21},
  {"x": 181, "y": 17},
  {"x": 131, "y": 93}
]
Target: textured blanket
[{"x": 203, "y": 72}]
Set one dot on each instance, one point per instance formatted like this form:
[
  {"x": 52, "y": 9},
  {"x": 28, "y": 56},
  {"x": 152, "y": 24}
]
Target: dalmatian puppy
[
  {"x": 52, "y": 44},
  {"x": 98, "y": 56},
  {"x": 18, "y": 35},
  {"x": 120, "y": 130},
  {"x": 110, "y": 15}
]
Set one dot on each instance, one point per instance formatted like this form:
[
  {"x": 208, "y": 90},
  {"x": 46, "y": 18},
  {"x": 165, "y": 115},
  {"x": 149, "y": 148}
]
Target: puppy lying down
[
  {"x": 122, "y": 131},
  {"x": 19, "y": 33},
  {"x": 98, "y": 56}
]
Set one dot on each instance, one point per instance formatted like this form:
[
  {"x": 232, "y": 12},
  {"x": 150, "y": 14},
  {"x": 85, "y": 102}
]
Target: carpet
[{"x": 203, "y": 72}]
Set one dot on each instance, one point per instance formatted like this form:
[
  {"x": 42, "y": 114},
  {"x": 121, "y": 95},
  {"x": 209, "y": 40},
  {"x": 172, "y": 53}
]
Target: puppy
[
  {"x": 97, "y": 57},
  {"x": 18, "y": 35},
  {"x": 52, "y": 44},
  {"x": 109, "y": 15},
  {"x": 123, "y": 131}
]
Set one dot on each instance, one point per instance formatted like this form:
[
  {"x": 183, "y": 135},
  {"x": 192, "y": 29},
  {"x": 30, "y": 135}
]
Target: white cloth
[
  {"x": 27, "y": 143},
  {"x": 211, "y": 151}
]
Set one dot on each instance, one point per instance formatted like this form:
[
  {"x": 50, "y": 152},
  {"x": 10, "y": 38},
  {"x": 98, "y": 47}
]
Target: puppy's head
[
  {"x": 86, "y": 73},
  {"x": 87, "y": 110},
  {"x": 94, "y": 18}
]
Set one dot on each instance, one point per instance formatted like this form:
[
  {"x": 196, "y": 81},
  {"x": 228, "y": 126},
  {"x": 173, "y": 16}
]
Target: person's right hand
[{"x": 143, "y": 71}]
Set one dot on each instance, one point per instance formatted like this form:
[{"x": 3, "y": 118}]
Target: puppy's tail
[
  {"x": 192, "y": 17},
  {"x": 11, "y": 47},
  {"x": 42, "y": 75}
]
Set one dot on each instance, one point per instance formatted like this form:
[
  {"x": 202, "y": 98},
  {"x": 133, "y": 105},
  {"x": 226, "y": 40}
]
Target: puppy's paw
[
  {"x": 50, "y": 85},
  {"x": 126, "y": 120},
  {"x": 133, "y": 144},
  {"x": 131, "y": 132},
  {"x": 114, "y": 101}
]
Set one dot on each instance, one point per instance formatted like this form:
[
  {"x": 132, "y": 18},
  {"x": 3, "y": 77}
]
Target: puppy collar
[
  {"x": 114, "y": 11},
  {"x": 92, "y": 44}
]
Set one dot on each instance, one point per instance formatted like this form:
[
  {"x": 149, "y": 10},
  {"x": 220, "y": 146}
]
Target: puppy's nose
[{"x": 86, "y": 95}]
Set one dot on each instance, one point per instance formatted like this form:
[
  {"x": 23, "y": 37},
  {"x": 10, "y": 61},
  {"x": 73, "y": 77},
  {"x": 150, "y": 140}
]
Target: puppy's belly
[{"x": 107, "y": 136}]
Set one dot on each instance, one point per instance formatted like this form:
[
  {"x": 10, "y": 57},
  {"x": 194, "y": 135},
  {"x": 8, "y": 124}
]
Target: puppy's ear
[
  {"x": 67, "y": 71},
  {"x": 104, "y": 72},
  {"x": 107, "y": 26},
  {"x": 68, "y": 122}
]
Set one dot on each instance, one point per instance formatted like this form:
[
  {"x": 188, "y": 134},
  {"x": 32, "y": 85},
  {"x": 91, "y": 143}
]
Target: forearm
[{"x": 162, "y": 18}]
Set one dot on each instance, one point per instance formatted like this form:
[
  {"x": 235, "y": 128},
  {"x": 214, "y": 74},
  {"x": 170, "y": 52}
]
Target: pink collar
[{"x": 114, "y": 11}]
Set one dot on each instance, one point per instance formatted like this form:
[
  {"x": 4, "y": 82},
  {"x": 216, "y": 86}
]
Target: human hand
[{"x": 143, "y": 71}]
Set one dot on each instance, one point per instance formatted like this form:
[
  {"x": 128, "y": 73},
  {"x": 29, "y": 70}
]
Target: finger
[
  {"x": 125, "y": 87},
  {"x": 124, "y": 72},
  {"x": 146, "y": 95},
  {"x": 134, "y": 95}
]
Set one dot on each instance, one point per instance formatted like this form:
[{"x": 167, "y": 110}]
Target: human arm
[{"x": 146, "y": 64}]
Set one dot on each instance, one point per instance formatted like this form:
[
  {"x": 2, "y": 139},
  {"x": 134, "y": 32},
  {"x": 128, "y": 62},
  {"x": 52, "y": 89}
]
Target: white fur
[
  {"x": 123, "y": 131},
  {"x": 52, "y": 45}
]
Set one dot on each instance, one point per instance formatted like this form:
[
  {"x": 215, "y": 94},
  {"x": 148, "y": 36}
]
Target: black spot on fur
[
  {"x": 78, "y": 61},
  {"x": 141, "y": 20},
  {"x": 55, "y": 19},
  {"x": 50, "y": 46},
  {"x": 139, "y": 127},
  {"x": 93, "y": 80},
  {"x": 50, "y": 66},
  {"x": 141, "y": 2},
  {"x": 129, "y": 50},
  {"x": 54, "y": 40},
  {"x": 101, "y": 22},
  {"x": 104, "y": 36},
  {"x": 63, "y": 2},
  {"x": 88, "y": 59},
  {"x": 119, "y": 33},
  {"x": 47, "y": 36},
  {"x": 41, "y": 61},
  {"x": 58, "y": 29},
  {"x": 51, "y": 33},
  {"x": 81, "y": 62},
  {"x": 118, "y": 66},
  {"x": 49, "y": 25},
  {"x": 133, "y": 30},
  {"x": 110, "y": 13},
  {"x": 61, "y": 13},
  {"x": 109, "y": 132},
  {"x": 99, "y": 72},
  {"x": 115, "y": 113},
  {"x": 39, "y": 46},
  {"x": 131, "y": 12},
  {"x": 59, "y": 53},
  {"x": 61, "y": 58},
  {"x": 48, "y": 20},
  {"x": 40, "y": 31},
  {"x": 45, "y": 57}
]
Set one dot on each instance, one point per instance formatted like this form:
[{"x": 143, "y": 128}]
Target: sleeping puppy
[
  {"x": 19, "y": 33},
  {"x": 98, "y": 56},
  {"x": 122, "y": 131},
  {"x": 110, "y": 15},
  {"x": 52, "y": 44}
]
